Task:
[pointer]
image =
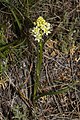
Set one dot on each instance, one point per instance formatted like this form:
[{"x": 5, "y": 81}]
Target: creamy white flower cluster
[{"x": 41, "y": 27}]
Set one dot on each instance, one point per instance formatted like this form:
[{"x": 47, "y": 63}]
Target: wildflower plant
[{"x": 41, "y": 28}]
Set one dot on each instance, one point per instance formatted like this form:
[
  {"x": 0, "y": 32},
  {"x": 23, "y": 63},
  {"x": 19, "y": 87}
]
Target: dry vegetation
[{"x": 58, "y": 95}]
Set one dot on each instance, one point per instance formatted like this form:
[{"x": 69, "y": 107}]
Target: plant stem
[{"x": 38, "y": 67}]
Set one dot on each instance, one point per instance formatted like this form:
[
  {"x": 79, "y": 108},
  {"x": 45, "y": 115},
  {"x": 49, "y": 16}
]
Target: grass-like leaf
[
  {"x": 16, "y": 18},
  {"x": 52, "y": 93},
  {"x": 61, "y": 91}
]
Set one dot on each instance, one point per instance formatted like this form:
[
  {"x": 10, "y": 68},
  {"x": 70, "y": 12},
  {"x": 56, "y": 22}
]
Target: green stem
[{"x": 38, "y": 67}]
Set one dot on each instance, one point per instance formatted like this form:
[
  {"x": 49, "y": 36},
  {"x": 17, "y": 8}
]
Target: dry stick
[
  {"x": 71, "y": 65},
  {"x": 55, "y": 98},
  {"x": 21, "y": 95}
]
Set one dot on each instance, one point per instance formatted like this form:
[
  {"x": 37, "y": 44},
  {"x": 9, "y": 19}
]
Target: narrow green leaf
[
  {"x": 52, "y": 93},
  {"x": 61, "y": 91},
  {"x": 16, "y": 18}
]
